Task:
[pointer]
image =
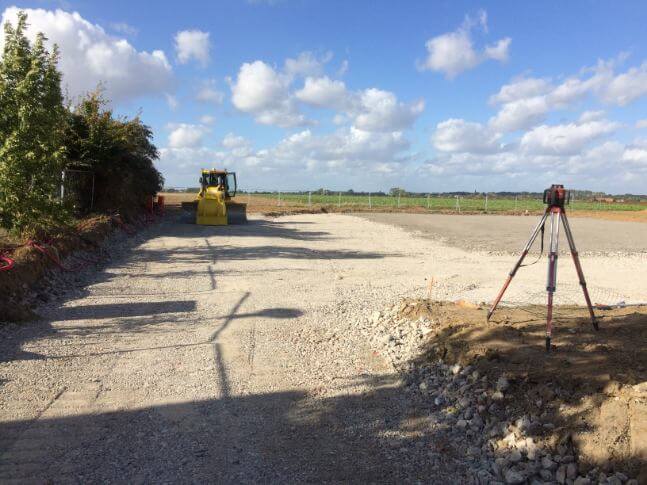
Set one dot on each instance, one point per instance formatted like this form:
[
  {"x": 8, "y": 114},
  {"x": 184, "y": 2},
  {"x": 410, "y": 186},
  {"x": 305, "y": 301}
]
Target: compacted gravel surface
[{"x": 242, "y": 354}]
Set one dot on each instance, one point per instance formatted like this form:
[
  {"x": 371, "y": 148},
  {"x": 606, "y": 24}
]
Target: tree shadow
[
  {"x": 253, "y": 228},
  {"x": 280, "y": 437}
]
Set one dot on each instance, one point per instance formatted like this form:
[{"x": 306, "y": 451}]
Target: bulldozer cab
[{"x": 219, "y": 178}]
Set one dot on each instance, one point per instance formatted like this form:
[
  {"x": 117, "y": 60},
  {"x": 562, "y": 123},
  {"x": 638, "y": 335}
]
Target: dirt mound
[
  {"x": 31, "y": 264},
  {"x": 592, "y": 386}
]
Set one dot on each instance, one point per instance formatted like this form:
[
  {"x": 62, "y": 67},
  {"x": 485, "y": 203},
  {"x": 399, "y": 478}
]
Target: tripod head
[{"x": 557, "y": 196}]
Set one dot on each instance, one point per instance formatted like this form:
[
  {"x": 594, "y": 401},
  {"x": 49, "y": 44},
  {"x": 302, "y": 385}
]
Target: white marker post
[
  {"x": 309, "y": 199},
  {"x": 515, "y": 202},
  {"x": 428, "y": 197},
  {"x": 339, "y": 200},
  {"x": 486, "y": 203},
  {"x": 369, "y": 200},
  {"x": 398, "y": 200},
  {"x": 278, "y": 202}
]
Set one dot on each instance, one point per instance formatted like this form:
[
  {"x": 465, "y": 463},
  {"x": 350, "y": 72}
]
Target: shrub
[{"x": 118, "y": 150}]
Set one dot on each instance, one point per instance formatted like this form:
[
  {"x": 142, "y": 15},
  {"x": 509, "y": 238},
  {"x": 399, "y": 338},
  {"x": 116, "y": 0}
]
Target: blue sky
[{"x": 430, "y": 96}]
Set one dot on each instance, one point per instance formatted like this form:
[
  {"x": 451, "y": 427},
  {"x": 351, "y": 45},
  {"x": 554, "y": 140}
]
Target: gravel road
[
  {"x": 510, "y": 233},
  {"x": 232, "y": 354}
]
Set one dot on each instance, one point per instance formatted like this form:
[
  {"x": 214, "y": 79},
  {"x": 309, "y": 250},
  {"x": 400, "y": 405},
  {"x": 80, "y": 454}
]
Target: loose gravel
[{"x": 270, "y": 352}]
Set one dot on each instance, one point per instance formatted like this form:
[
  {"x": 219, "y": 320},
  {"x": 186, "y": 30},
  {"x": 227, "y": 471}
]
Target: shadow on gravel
[
  {"x": 253, "y": 228},
  {"x": 206, "y": 255},
  {"x": 124, "y": 310},
  {"x": 268, "y": 438}
]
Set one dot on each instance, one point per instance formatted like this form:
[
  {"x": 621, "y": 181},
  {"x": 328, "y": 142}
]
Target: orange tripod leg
[{"x": 578, "y": 268}]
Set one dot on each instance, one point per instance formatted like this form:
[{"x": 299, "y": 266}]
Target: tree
[
  {"x": 118, "y": 150},
  {"x": 32, "y": 120},
  {"x": 395, "y": 191}
]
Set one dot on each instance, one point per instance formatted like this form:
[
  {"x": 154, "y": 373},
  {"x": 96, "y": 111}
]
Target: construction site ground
[{"x": 327, "y": 348}]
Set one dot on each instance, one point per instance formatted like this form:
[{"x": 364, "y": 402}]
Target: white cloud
[
  {"x": 499, "y": 50},
  {"x": 266, "y": 93},
  {"x": 568, "y": 151},
  {"x": 186, "y": 135},
  {"x": 636, "y": 155},
  {"x": 209, "y": 94},
  {"x": 370, "y": 110},
  {"x": 520, "y": 89},
  {"x": 520, "y": 114},
  {"x": 263, "y": 92},
  {"x": 349, "y": 152},
  {"x": 192, "y": 45},
  {"x": 381, "y": 111},
  {"x": 454, "y": 52},
  {"x": 323, "y": 92},
  {"x": 306, "y": 64},
  {"x": 525, "y": 102},
  {"x": 457, "y": 135},
  {"x": 207, "y": 119},
  {"x": 233, "y": 141},
  {"x": 124, "y": 28},
  {"x": 346, "y": 150},
  {"x": 626, "y": 87},
  {"x": 641, "y": 124},
  {"x": 567, "y": 139},
  {"x": 172, "y": 101},
  {"x": 591, "y": 116},
  {"x": 90, "y": 56}
]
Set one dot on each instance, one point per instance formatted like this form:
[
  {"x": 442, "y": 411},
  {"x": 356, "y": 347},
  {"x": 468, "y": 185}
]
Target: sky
[{"x": 425, "y": 95}]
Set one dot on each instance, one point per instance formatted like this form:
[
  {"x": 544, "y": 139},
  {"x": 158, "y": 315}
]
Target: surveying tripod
[{"x": 555, "y": 198}]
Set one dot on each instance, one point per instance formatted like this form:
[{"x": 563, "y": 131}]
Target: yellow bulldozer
[{"x": 213, "y": 205}]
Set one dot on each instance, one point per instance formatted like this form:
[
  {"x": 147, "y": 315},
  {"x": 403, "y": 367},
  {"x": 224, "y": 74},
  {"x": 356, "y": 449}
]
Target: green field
[{"x": 466, "y": 204}]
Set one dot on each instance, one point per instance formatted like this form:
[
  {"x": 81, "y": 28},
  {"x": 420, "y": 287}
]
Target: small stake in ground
[
  {"x": 369, "y": 200},
  {"x": 555, "y": 199},
  {"x": 309, "y": 199}
]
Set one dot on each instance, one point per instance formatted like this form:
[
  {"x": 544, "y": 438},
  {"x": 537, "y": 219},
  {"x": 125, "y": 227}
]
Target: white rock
[
  {"x": 547, "y": 463},
  {"x": 515, "y": 456}
]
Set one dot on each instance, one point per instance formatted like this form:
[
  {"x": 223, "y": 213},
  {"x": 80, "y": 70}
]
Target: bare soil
[
  {"x": 593, "y": 383},
  {"x": 31, "y": 264}
]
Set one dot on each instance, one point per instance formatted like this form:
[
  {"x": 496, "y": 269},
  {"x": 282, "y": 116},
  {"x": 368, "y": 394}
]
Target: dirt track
[{"x": 220, "y": 354}]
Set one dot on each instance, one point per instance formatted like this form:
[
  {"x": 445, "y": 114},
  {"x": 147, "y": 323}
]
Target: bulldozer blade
[
  {"x": 236, "y": 213},
  {"x": 190, "y": 206}
]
